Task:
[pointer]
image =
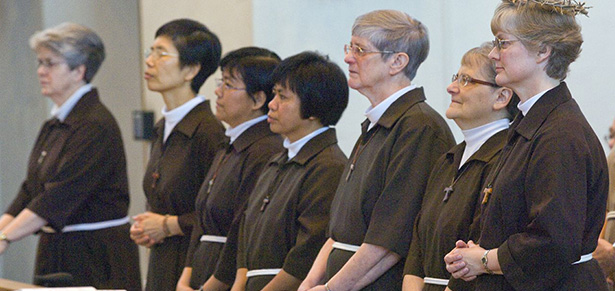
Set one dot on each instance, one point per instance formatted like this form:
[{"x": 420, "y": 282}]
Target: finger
[
  {"x": 461, "y": 273},
  {"x": 467, "y": 279},
  {"x": 452, "y": 257},
  {"x": 455, "y": 267},
  {"x": 461, "y": 244}
]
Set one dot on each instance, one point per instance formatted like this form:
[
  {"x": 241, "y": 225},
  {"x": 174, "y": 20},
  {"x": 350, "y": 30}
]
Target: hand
[
  {"x": 464, "y": 261},
  {"x": 454, "y": 261},
  {"x": 605, "y": 255},
  {"x": 152, "y": 225},
  {"x": 182, "y": 287},
  {"x": 318, "y": 288},
  {"x": 307, "y": 284},
  {"x": 139, "y": 237}
]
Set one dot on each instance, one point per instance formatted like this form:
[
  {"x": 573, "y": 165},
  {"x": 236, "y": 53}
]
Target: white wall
[
  {"x": 292, "y": 26},
  {"x": 287, "y": 27}
]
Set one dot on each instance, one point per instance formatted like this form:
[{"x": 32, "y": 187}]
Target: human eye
[
  {"x": 359, "y": 51},
  {"x": 465, "y": 79},
  {"x": 228, "y": 85}
]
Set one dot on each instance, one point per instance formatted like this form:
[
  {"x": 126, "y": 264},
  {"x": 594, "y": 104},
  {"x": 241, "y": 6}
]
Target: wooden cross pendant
[
  {"x": 487, "y": 193},
  {"x": 447, "y": 193}
]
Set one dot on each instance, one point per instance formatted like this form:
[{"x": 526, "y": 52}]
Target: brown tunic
[
  {"x": 236, "y": 170},
  {"x": 77, "y": 174},
  {"x": 291, "y": 227},
  {"x": 174, "y": 174},
  {"x": 441, "y": 222},
  {"x": 380, "y": 200},
  {"x": 548, "y": 201}
]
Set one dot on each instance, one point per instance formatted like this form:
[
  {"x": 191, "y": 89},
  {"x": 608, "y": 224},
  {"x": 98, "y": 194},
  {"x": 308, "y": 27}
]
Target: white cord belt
[
  {"x": 213, "y": 238},
  {"x": 89, "y": 226},
  {"x": 263, "y": 272},
  {"x": 584, "y": 258},
  {"x": 345, "y": 247},
  {"x": 436, "y": 281},
  {"x": 610, "y": 215}
]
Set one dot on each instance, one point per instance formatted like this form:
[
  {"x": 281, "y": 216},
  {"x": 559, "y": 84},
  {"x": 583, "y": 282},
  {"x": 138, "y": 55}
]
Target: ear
[
  {"x": 79, "y": 73},
  {"x": 399, "y": 62},
  {"x": 191, "y": 71},
  {"x": 259, "y": 100},
  {"x": 504, "y": 97},
  {"x": 544, "y": 52}
]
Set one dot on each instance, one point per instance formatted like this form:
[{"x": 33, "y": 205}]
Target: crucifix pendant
[
  {"x": 447, "y": 193},
  {"x": 209, "y": 185},
  {"x": 487, "y": 193},
  {"x": 265, "y": 202},
  {"x": 350, "y": 172},
  {"x": 155, "y": 177}
]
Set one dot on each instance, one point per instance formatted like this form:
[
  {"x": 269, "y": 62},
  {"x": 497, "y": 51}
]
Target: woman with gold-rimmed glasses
[
  {"x": 483, "y": 111},
  {"x": 544, "y": 203},
  {"x": 76, "y": 190},
  {"x": 244, "y": 92},
  {"x": 184, "y": 54}
]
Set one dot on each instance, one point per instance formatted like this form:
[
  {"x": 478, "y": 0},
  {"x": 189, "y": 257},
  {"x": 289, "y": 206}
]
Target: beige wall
[
  {"x": 230, "y": 20},
  {"x": 24, "y": 109}
]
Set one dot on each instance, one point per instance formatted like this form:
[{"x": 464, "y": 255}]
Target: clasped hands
[
  {"x": 464, "y": 261},
  {"x": 148, "y": 229}
]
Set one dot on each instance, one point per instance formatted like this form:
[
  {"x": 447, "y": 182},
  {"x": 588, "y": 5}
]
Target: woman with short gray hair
[{"x": 76, "y": 190}]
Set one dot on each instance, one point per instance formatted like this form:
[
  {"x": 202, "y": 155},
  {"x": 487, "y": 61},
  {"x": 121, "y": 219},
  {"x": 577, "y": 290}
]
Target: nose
[
  {"x": 494, "y": 54},
  {"x": 41, "y": 70},
  {"x": 611, "y": 142},
  {"x": 273, "y": 104},
  {"x": 149, "y": 61},
  {"x": 218, "y": 91},
  {"x": 453, "y": 88},
  {"x": 349, "y": 58}
]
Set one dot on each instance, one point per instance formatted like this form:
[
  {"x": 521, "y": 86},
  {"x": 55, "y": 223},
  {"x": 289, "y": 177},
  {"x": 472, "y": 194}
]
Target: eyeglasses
[
  {"x": 502, "y": 43},
  {"x": 157, "y": 54},
  {"x": 48, "y": 64},
  {"x": 225, "y": 85},
  {"x": 464, "y": 79},
  {"x": 357, "y": 51}
]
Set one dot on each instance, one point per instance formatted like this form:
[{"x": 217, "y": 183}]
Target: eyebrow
[{"x": 158, "y": 47}]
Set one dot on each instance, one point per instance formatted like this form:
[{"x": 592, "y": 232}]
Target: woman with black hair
[{"x": 184, "y": 54}]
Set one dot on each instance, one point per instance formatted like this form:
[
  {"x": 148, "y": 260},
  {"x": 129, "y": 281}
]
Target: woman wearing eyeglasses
[
  {"x": 451, "y": 204},
  {"x": 75, "y": 194},
  {"x": 184, "y": 54},
  {"x": 243, "y": 93},
  {"x": 544, "y": 203}
]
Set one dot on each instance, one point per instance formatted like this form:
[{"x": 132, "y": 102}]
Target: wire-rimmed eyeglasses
[
  {"x": 358, "y": 51},
  {"x": 225, "y": 85},
  {"x": 502, "y": 43},
  {"x": 157, "y": 54},
  {"x": 464, "y": 80}
]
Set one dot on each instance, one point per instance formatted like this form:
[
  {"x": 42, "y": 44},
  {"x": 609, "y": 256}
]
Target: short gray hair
[
  {"x": 539, "y": 25},
  {"x": 394, "y": 30},
  {"x": 77, "y": 44}
]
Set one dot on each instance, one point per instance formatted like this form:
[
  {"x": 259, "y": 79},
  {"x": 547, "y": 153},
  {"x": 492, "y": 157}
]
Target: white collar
[
  {"x": 234, "y": 132},
  {"x": 295, "y": 147},
  {"x": 476, "y": 137},
  {"x": 173, "y": 117},
  {"x": 61, "y": 112},
  {"x": 527, "y": 105},
  {"x": 374, "y": 113}
]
